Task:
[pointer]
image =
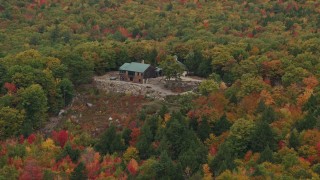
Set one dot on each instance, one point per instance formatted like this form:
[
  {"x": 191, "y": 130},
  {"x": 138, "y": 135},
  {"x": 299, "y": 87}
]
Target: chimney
[{"x": 142, "y": 61}]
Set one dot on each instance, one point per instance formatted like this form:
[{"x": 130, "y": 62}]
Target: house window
[{"x": 131, "y": 73}]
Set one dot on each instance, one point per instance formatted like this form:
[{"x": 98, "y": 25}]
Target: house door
[{"x": 131, "y": 78}]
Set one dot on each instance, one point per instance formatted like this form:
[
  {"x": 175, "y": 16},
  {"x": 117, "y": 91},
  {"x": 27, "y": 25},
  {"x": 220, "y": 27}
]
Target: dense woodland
[{"x": 256, "y": 116}]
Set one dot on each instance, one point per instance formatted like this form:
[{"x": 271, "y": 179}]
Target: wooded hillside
[{"x": 256, "y": 116}]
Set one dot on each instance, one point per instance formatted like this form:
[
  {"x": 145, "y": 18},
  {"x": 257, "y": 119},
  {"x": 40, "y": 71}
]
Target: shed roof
[{"x": 135, "y": 67}]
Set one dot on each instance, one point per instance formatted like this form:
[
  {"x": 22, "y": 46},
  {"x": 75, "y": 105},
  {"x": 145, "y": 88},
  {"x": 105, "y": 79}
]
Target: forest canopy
[{"x": 257, "y": 114}]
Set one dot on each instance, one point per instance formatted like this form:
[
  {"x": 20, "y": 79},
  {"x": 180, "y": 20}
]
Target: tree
[
  {"x": 163, "y": 110},
  {"x": 80, "y": 71},
  {"x": 147, "y": 170},
  {"x": 109, "y": 142},
  {"x": 193, "y": 158},
  {"x": 221, "y": 125},
  {"x": 3, "y": 74},
  {"x": 171, "y": 69},
  {"x": 266, "y": 155},
  {"x": 144, "y": 142},
  {"x": 166, "y": 169},
  {"x": 203, "y": 129},
  {"x": 126, "y": 136},
  {"x": 69, "y": 151},
  {"x": 11, "y": 121},
  {"x": 208, "y": 86},
  {"x": 79, "y": 173},
  {"x": 67, "y": 91},
  {"x": 133, "y": 167},
  {"x": 262, "y": 137},
  {"x": 31, "y": 170},
  {"x": 240, "y": 136},
  {"x": 268, "y": 115},
  {"x": 61, "y": 137},
  {"x": 224, "y": 159},
  {"x": 34, "y": 102},
  {"x": 294, "y": 141}
]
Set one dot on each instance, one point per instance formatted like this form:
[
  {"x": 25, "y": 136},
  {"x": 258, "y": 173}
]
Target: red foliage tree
[
  {"x": 213, "y": 150},
  {"x": 133, "y": 167},
  {"x": 31, "y": 138},
  {"x": 31, "y": 171},
  {"x": 318, "y": 148},
  {"x": 60, "y": 137},
  {"x": 11, "y": 88},
  {"x": 281, "y": 144},
  {"x": 21, "y": 139},
  {"x": 134, "y": 136}
]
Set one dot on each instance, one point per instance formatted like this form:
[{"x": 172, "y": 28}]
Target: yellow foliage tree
[
  {"x": 131, "y": 153},
  {"x": 48, "y": 144},
  {"x": 206, "y": 172}
]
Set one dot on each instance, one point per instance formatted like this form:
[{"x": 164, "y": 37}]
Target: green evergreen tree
[
  {"x": 193, "y": 124},
  {"x": 262, "y": 137},
  {"x": 222, "y": 125},
  {"x": 311, "y": 104},
  {"x": 193, "y": 158},
  {"x": 79, "y": 173},
  {"x": 224, "y": 159},
  {"x": 266, "y": 155},
  {"x": 126, "y": 136},
  {"x": 67, "y": 91},
  {"x": 152, "y": 122},
  {"x": 261, "y": 107},
  {"x": 74, "y": 154},
  {"x": 204, "y": 129},
  {"x": 294, "y": 139},
  {"x": 109, "y": 142},
  {"x": 142, "y": 115},
  {"x": 269, "y": 115},
  {"x": 164, "y": 109},
  {"x": 144, "y": 142},
  {"x": 166, "y": 168},
  {"x": 308, "y": 122}
]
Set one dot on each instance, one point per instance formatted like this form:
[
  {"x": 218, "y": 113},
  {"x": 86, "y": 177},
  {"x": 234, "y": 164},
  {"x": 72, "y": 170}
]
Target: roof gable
[{"x": 134, "y": 66}]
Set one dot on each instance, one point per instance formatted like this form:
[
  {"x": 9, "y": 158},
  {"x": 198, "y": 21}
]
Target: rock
[
  {"x": 89, "y": 104},
  {"x": 62, "y": 111}
]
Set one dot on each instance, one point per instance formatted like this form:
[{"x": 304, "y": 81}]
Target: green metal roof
[{"x": 135, "y": 67}]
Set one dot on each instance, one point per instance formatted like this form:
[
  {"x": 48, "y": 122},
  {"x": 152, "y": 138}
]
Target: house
[{"x": 137, "y": 72}]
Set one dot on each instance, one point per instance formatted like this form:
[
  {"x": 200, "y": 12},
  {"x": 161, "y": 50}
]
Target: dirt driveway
[{"x": 154, "y": 84}]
